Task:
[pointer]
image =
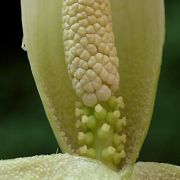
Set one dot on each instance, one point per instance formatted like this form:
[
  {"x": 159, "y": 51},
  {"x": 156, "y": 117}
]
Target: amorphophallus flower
[{"x": 96, "y": 64}]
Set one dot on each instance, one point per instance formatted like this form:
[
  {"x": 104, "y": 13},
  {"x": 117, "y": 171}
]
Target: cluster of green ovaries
[{"x": 101, "y": 131}]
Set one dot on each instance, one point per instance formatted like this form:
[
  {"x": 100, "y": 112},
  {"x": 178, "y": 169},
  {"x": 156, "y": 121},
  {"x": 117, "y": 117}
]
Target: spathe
[{"x": 139, "y": 36}]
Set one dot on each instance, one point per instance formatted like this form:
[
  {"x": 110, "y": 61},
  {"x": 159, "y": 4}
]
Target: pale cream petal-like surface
[
  {"x": 155, "y": 171},
  {"x": 43, "y": 41},
  {"x": 55, "y": 167},
  {"x": 68, "y": 167}
]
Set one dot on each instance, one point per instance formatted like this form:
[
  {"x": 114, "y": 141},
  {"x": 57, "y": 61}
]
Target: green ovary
[
  {"x": 92, "y": 63},
  {"x": 100, "y": 131}
]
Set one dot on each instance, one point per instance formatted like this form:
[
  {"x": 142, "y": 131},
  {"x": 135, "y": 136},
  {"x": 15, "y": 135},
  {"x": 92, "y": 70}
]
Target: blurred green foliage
[{"x": 24, "y": 128}]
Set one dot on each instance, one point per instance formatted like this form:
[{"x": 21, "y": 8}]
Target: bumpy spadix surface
[
  {"x": 92, "y": 64},
  {"x": 90, "y": 51},
  {"x": 101, "y": 131},
  {"x": 139, "y": 34}
]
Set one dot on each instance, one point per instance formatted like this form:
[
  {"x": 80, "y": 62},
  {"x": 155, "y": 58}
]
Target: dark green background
[{"x": 24, "y": 128}]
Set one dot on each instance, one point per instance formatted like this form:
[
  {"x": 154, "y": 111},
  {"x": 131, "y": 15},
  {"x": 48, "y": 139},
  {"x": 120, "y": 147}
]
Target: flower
[{"x": 139, "y": 38}]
